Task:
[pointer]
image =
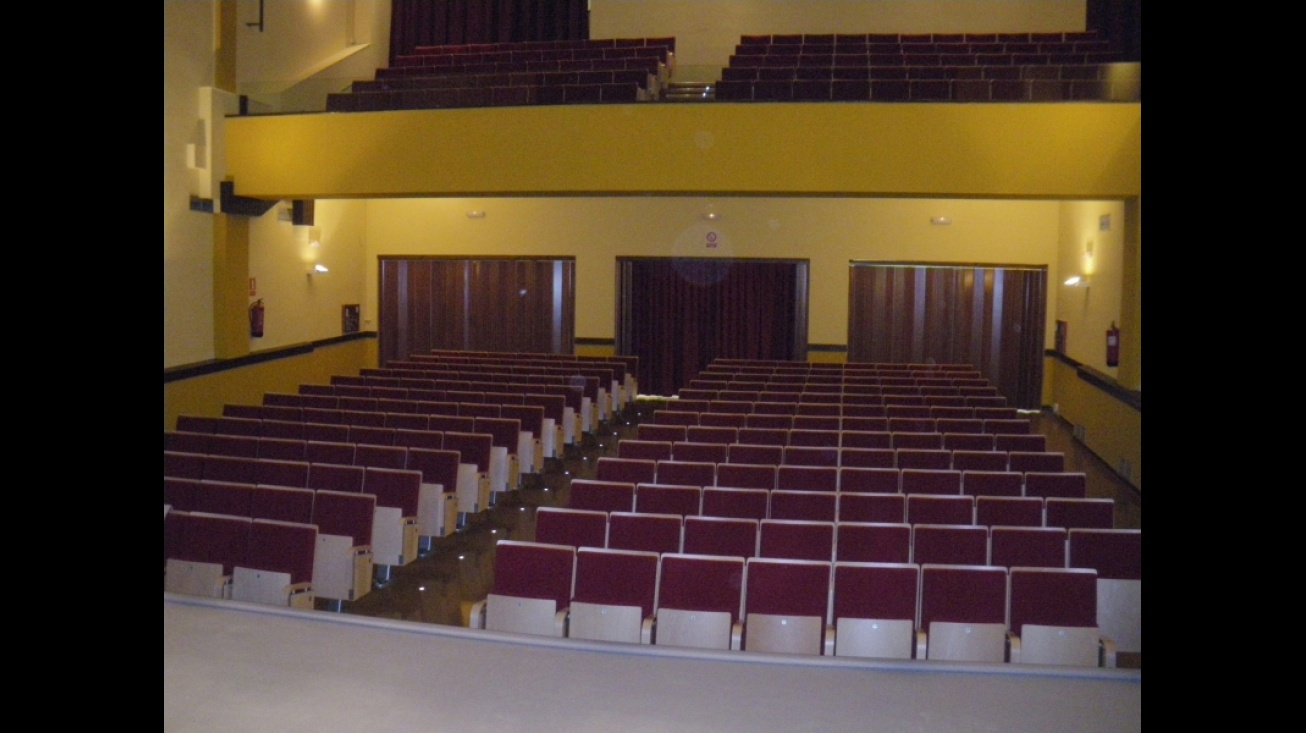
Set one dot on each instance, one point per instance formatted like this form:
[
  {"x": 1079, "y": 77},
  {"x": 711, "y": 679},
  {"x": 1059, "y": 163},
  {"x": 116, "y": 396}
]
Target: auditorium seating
[
  {"x": 516, "y": 73},
  {"x": 658, "y": 533},
  {"x": 687, "y": 472},
  {"x": 571, "y": 527},
  {"x": 1054, "y": 616},
  {"x": 342, "y": 560},
  {"x": 720, "y": 536},
  {"x": 700, "y": 602},
  {"x": 1080, "y": 513},
  {"x": 879, "y": 542},
  {"x": 963, "y": 611},
  {"x": 602, "y": 495},
  {"x": 1034, "y": 547},
  {"x": 820, "y": 506},
  {"x": 778, "y": 502},
  {"x": 201, "y": 551},
  {"x": 786, "y": 605},
  {"x": 796, "y": 539},
  {"x": 682, "y": 500},
  {"x": 395, "y": 538},
  {"x": 532, "y": 590},
  {"x": 615, "y": 595},
  {"x": 739, "y": 503},
  {"x": 1010, "y": 511},
  {"x": 442, "y": 471},
  {"x": 278, "y": 565},
  {"x": 875, "y": 607},
  {"x": 1117, "y": 556},
  {"x": 893, "y": 70}
]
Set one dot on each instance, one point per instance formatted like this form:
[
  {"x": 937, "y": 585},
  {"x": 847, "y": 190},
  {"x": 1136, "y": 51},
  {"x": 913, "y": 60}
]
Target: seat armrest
[
  {"x": 560, "y": 622},
  {"x": 1013, "y": 648},
  {"x": 827, "y": 648},
  {"x": 476, "y": 619},
  {"x": 646, "y": 630},
  {"x": 300, "y": 595},
  {"x": 1108, "y": 653},
  {"x": 737, "y": 636},
  {"x": 922, "y": 643}
]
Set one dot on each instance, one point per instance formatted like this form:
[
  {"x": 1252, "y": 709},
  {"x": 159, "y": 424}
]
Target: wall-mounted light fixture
[
  {"x": 476, "y": 214},
  {"x": 940, "y": 221},
  {"x": 318, "y": 269},
  {"x": 711, "y": 216},
  {"x": 1076, "y": 281}
]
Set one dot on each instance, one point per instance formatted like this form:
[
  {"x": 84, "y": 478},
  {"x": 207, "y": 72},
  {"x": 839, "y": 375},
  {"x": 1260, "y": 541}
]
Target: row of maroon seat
[
  {"x": 1017, "y": 461},
  {"x": 650, "y": 66},
  {"x": 474, "y": 96},
  {"x": 855, "y": 504},
  {"x": 227, "y": 556},
  {"x": 908, "y": 471},
  {"x": 742, "y": 365},
  {"x": 756, "y": 47},
  {"x": 504, "y": 422},
  {"x": 956, "y": 68},
  {"x": 772, "y": 69},
  {"x": 780, "y": 390},
  {"x": 467, "y": 376},
  {"x": 925, "y": 90},
  {"x": 514, "y": 75},
  {"x": 525, "y": 49},
  {"x": 781, "y": 380},
  {"x": 840, "y": 404},
  {"x": 203, "y": 546},
  {"x": 618, "y": 370},
  {"x": 363, "y": 446},
  {"x": 893, "y": 418},
  {"x": 460, "y": 62},
  {"x": 524, "y": 79},
  {"x": 547, "y": 44},
  {"x": 653, "y": 437},
  {"x": 555, "y": 399},
  {"x": 815, "y": 539},
  {"x": 853, "y": 39},
  {"x": 812, "y": 607},
  {"x": 901, "y": 59},
  {"x": 629, "y": 362}
]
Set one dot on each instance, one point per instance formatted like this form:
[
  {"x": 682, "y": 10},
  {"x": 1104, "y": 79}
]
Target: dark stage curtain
[
  {"x": 416, "y": 23},
  {"x": 677, "y": 315}
]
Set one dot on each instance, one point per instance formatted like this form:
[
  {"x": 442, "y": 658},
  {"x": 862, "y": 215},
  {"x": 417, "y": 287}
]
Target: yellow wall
[
  {"x": 206, "y": 395},
  {"x": 1091, "y": 248},
  {"x": 828, "y": 232},
  {"x": 1087, "y": 150},
  {"x": 300, "y": 307},
  {"x": 1112, "y": 429}
]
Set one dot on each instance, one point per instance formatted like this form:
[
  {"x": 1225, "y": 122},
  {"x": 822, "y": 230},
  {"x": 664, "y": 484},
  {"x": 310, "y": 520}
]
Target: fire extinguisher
[
  {"x": 1113, "y": 345},
  {"x": 256, "y": 319}
]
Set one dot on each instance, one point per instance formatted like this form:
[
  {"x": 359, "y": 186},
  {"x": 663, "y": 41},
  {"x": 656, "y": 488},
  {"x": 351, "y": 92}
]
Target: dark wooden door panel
[
  {"x": 988, "y": 316},
  {"x": 488, "y": 304}
]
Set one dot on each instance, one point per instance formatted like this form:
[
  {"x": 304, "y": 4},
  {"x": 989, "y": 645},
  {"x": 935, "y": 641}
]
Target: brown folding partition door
[
  {"x": 989, "y": 316},
  {"x": 506, "y": 304}
]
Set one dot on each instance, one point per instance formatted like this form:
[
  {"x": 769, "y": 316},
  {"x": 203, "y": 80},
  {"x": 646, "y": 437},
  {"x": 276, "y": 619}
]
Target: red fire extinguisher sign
[{"x": 1113, "y": 345}]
